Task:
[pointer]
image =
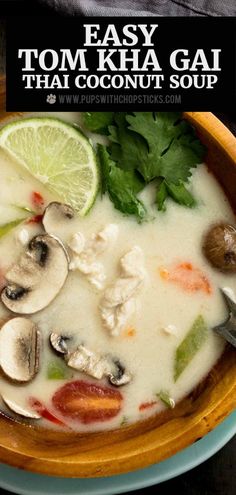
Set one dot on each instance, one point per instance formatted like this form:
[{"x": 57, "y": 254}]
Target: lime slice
[{"x": 58, "y": 155}]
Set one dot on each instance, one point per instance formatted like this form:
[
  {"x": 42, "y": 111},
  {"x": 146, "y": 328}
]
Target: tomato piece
[
  {"x": 188, "y": 277},
  {"x": 147, "y": 405},
  {"x": 39, "y": 407},
  {"x": 87, "y": 402},
  {"x": 35, "y": 219},
  {"x": 37, "y": 199}
]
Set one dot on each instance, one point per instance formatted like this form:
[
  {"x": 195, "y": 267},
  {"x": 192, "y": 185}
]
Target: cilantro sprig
[
  {"x": 98, "y": 121},
  {"x": 145, "y": 147},
  {"x": 121, "y": 185}
]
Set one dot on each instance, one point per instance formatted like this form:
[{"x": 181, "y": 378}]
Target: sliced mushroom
[
  {"x": 37, "y": 278},
  {"x": 84, "y": 360},
  {"x": 120, "y": 377},
  {"x": 58, "y": 342},
  {"x": 19, "y": 349},
  {"x": 16, "y": 408},
  {"x": 219, "y": 247},
  {"x": 57, "y": 219}
]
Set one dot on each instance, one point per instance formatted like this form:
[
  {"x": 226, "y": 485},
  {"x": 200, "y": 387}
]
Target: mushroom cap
[
  {"x": 58, "y": 343},
  {"x": 57, "y": 219},
  {"x": 37, "y": 278},
  {"x": 219, "y": 247},
  {"x": 19, "y": 349},
  {"x": 22, "y": 411},
  {"x": 119, "y": 376}
]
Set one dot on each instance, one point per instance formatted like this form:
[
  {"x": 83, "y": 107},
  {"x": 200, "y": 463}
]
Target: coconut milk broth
[{"x": 167, "y": 238}]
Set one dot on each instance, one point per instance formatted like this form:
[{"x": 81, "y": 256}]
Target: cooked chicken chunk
[
  {"x": 88, "y": 362},
  {"x": 132, "y": 263},
  {"x": 84, "y": 254},
  {"x": 118, "y": 302},
  {"x": 100, "y": 242}
]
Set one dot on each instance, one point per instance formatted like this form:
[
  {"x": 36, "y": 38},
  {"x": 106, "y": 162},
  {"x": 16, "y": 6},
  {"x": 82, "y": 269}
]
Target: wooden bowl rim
[{"x": 208, "y": 123}]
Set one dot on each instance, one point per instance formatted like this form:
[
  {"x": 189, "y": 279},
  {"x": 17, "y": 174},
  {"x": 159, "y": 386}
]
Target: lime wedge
[{"x": 58, "y": 155}]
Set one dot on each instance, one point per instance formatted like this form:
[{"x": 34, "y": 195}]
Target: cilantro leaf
[
  {"x": 98, "y": 121},
  {"x": 127, "y": 147},
  {"x": 178, "y": 193},
  {"x": 151, "y": 145},
  {"x": 173, "y": 148},
  {"x": 161, "y": 196},
  {"x": 181, "y": 195},
  {"x": 176, "y": 164},
  {"x": 113, "y": 134},
  {"x": 121, "y": 185},
  {"x": 158, "y": 129}
]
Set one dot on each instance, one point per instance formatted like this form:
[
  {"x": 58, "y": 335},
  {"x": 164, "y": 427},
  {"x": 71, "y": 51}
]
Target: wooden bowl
[{"x": 153, "y": 440}]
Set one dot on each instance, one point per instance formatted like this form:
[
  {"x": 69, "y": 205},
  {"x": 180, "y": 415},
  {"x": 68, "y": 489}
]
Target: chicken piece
[
  {"x": 118, "y": 302},
  {"x": 122, "y": 290},
  {"x": 88, "y": 362},
  {"x": 94, "y": 271},
  {"x": 115, "y": 318},
  {"x": 99, "y": 242},
  {"x": 77, "y": 243},
  {"x": 85, "y": 253},
  {"x": 132, "y": 263},
  {"x": 23, "y": 237}
]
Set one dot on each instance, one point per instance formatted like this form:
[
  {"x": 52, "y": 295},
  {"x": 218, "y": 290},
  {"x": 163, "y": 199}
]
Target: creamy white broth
[{"x": 166, "y": 239}]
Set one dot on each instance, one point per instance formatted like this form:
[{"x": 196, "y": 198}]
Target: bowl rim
[
  {"x": 146, "y": 452},
  {"x": 212, "y": 126}
]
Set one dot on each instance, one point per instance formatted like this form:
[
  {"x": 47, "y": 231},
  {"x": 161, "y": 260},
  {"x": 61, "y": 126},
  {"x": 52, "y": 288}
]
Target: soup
[{"x": 105, "y": 320}]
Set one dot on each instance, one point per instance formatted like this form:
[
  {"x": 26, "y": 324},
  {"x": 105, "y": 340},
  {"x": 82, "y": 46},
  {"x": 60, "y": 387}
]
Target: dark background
[{"x": 217, "y": 475}]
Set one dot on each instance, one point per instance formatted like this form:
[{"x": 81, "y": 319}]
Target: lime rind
[{"x": 58, "y": 155}]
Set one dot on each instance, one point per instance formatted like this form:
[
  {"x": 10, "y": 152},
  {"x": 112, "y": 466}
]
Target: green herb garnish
[
  {"x": 166, "y": 399},
  {"x": 158, "y": 146},
  {"x": 25, "y": 209},
  {"x": 161, "y": 196},
  {"x": 121, "y": 185},
  {"x": 124, "y": 421},
  {"x": 4, "y": 229},
  {"x": 98, "y": 121},
  {"x": 57, "y": 370},
  {"x": 7, "y": 227},
  {"x": 191, "y": 344},
  {"x": 180, "y": 194}
]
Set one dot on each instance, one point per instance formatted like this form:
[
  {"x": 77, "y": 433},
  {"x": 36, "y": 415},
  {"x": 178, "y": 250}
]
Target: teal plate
[{"x": 25, "y": 483}]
